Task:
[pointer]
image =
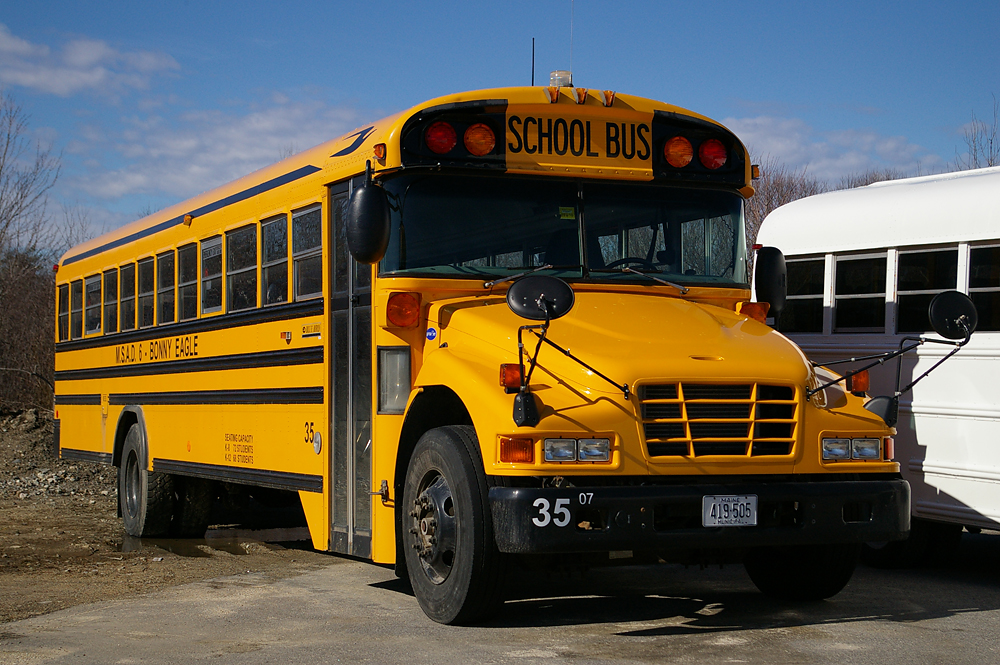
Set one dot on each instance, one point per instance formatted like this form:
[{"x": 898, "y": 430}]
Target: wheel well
[
  {"x": 435, "y": 406},
  {"x": 125, "y": 422}
]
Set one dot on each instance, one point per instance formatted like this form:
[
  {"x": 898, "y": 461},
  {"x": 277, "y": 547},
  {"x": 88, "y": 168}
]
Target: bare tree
[
  {"x": 28, "y": 244},
  {"x": 982, "y": 142},
  {"x": 777, "y": 185},
  {"x": 868, "y": 177}
]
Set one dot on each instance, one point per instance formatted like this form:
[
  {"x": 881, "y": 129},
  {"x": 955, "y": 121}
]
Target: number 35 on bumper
[{"x": 559, "y": 515}]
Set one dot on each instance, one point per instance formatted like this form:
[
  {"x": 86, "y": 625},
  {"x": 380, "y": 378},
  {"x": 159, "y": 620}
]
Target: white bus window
[
  {"x": 165, "y": 298},
  {"x": 984, "y": 285},
  {"x": 241, "y": 269},
  {"x": 920, "y": 277},
  {"x": 859, "y": 295},
  {"x": 147, "y": 293},
  {"x": 804, "y": 306},
  {"x": 274, "y": 264},
  {"x": 76, "y": 309},
  {"x": 63, "y": 312},
  {"x": 187, "y": 281},
  {"x": 92, "y": 305},
  {"x": 307, "y": 252},
  {"x": 127, "y": 291},
  {"x": 111, "y": 300},
  {"x": 211, "y": 275}
]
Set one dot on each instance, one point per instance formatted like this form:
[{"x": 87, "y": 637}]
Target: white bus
[{"x": 862, "y": 266}]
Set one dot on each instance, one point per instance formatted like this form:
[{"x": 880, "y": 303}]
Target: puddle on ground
[{"x": 238, "y": 542}]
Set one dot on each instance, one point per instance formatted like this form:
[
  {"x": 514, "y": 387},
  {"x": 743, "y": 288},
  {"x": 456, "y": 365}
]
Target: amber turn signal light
[
  {"x": 479, "y": 139},
  {"x": 754, "y": 310},
  {"x": 510, "y": 375},
  {"x": 678, "y": 152},
  {"x": 859, "y": 383},
  {"x": 403, "y": 310},
  {"x": 517, "y": 451}
]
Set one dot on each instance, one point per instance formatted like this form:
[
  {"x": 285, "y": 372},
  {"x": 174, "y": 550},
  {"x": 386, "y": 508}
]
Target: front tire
[
  {"x": 807, "y": 572},
  {"x": 452, "y": 560},
  {"x": 146, "y": 498}
]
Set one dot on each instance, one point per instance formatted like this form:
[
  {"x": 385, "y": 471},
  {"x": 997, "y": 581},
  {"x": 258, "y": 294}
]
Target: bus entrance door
[{"x": 350, "y": 402}]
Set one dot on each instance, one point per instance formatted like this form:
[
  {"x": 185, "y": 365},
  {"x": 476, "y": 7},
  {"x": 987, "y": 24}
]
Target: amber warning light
[{"x": 403, "y": 309}]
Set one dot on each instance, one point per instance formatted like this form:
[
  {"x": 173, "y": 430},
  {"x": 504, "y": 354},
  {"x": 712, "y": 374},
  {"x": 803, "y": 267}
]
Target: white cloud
[
  {"x": 830, "y": 155},
  {"x": 81, "y": 65},
  {"x": 199, "y": 150}
]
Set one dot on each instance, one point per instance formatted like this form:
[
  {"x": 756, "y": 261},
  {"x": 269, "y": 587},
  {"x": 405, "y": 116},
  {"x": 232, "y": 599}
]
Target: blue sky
[{"x": 150, "y": 103}]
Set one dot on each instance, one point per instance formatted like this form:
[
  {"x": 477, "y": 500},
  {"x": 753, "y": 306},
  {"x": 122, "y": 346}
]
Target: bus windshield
[{"x": 465, "y": 226}]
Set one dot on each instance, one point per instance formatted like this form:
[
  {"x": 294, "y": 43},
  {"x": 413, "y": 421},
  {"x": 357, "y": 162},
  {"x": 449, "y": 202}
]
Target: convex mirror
[
  {"x": 948, "y": 311},
  {"x": 529, "y": 296},
  {"x": 769, "y": 279},
  {"x": 367, "y": 224}
]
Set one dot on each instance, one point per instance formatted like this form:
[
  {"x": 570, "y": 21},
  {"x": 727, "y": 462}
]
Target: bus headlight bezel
[
  {"x": 559, "y": 450},
  {"x": 836, "y": 448}
]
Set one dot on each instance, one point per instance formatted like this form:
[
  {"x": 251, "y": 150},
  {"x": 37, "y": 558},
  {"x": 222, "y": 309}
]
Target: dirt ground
[{"x": 62, "y": 543}]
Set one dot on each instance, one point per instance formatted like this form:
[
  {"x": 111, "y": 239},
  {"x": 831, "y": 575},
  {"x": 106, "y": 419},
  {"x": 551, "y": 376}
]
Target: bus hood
[{"x": 628, "y": 337}]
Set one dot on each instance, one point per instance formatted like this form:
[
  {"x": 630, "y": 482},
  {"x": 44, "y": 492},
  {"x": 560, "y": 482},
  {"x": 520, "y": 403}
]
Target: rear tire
[
  {"x": 451, "y": 557},
  {"x": 146, "y": 498},
  {"x": 808, "y": 572}
]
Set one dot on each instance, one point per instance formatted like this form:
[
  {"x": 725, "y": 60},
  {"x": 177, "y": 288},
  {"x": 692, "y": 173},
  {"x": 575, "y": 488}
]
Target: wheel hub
[{"x": 433, "y": 529}]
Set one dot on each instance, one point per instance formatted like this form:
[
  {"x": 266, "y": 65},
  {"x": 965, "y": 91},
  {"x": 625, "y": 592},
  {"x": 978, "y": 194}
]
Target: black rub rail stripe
[
  {"x": 85, "y": 455},
  {"x": 282, "y": 358},
  {"x": 291, "y": 176},
  {"x": 88, "y": 400},
  {"x": 281, "y": 480},
  {"x": 311, "y": 395},
  {"x": 222, "y": 322}
]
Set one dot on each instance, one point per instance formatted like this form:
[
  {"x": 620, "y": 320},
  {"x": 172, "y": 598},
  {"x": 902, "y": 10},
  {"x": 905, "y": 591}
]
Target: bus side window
[
  {"x": 307, "y": 252},
  {"x": 211, "y": 275},
  {"x": 187, "y": 281},
  {"x": 147, "y": 293},
  {"x": 111, "y": 300},
  {"x": 165, "y": 287},
  {"x": 241, "y": 268},
  {"x": 274, "y": 263},
  {"x": 859, "y": 295},
  {"x": 76, "y": 309},
  {"x": 984, "y": 285},
  {"x": 920, "y": 277},
  {"x": 63, "y": 312},
  {"x": 804, "y": 307},
  {"x": 127, "y": 292},
  {"x": 92, "y": 305}
]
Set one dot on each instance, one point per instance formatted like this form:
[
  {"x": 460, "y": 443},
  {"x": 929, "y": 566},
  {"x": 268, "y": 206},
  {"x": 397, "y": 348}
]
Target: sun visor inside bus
[
  {"x": 696, "y": 163},
  {"x": 463, "y": 135}
]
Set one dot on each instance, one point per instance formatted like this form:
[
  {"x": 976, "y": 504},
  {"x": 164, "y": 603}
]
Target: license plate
[{"x": 729, "y": 510}]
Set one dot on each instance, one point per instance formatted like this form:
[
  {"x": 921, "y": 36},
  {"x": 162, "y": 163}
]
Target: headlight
[
  {"x": 836, "y": 449},
  {"x": 560, "y": 450},
  {"x": 866, "y": 448},
  {"x": 594, "y": 450}
]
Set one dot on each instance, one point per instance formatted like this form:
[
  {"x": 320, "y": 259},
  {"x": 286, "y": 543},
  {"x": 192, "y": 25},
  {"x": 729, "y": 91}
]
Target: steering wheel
[{"x": 633, "y": 259}]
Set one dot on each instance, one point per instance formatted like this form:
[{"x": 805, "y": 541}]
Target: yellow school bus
[{"x": 504, "y": 325}]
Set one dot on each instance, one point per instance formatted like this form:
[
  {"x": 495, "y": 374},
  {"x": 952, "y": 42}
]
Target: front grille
[{"x": 732, "y": 420}]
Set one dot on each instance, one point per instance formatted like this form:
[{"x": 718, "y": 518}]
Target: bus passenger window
[
  {"x": 920, "y": 277},
  {"x": 111, "y": 300},
  {"x": 147, "y": 293},
  {"x": 165, "y": 287},
  {"x": 241, "y": 272},
  {"x": 859, "y": 295},
  {"x": 984, "y": 285},
  {"x": 76, "y": 309},
  {"x": 92, "y": 305},
  {"x": 127, "y": 291},
  {"x": 187, "y": 281},
  {"x": 275, "y": 259},
  {"x": 804, "y": 307},
  {"x": 211, "y": 275},
  {"x": 307, "y": 252},
  {"x": 63, "y": 312}
]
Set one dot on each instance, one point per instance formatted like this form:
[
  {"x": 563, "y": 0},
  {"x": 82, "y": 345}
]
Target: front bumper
[{"x": 669, "y": 517}]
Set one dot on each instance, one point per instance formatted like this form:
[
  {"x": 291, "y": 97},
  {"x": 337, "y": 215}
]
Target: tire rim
[
  {"x": 434, "y": 528},
  {"x": 132, "y": 483}
]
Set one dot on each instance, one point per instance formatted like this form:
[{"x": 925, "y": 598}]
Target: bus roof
[{"x": 944, "y": 208}]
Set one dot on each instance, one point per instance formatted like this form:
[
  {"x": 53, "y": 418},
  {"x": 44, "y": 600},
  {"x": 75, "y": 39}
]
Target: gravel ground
[{"x": 62, "y": 543}]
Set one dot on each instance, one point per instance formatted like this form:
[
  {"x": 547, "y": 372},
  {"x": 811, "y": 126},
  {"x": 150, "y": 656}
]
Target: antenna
[
  {"x": 532, "y": 61},
  {"x": 572, "y": 6}
]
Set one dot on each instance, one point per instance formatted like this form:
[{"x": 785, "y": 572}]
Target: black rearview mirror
[
  {"x": 540, "y": 297},
  {"x": 769, "y": 279},
  {"x": 953, "y": 315},
  {"x": 367, "y": 224}
]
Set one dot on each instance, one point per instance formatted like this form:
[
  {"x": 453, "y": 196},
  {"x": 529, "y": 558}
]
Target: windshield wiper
[
  {"x": 682, "y": 289},
  {"x": 547, "y": 266}
]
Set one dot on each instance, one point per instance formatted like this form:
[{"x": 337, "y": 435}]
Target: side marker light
[
  {"x": 403, "y": 309},
  {"x": 754, "y": 310},
  {"x": 517, "y": 451}
]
